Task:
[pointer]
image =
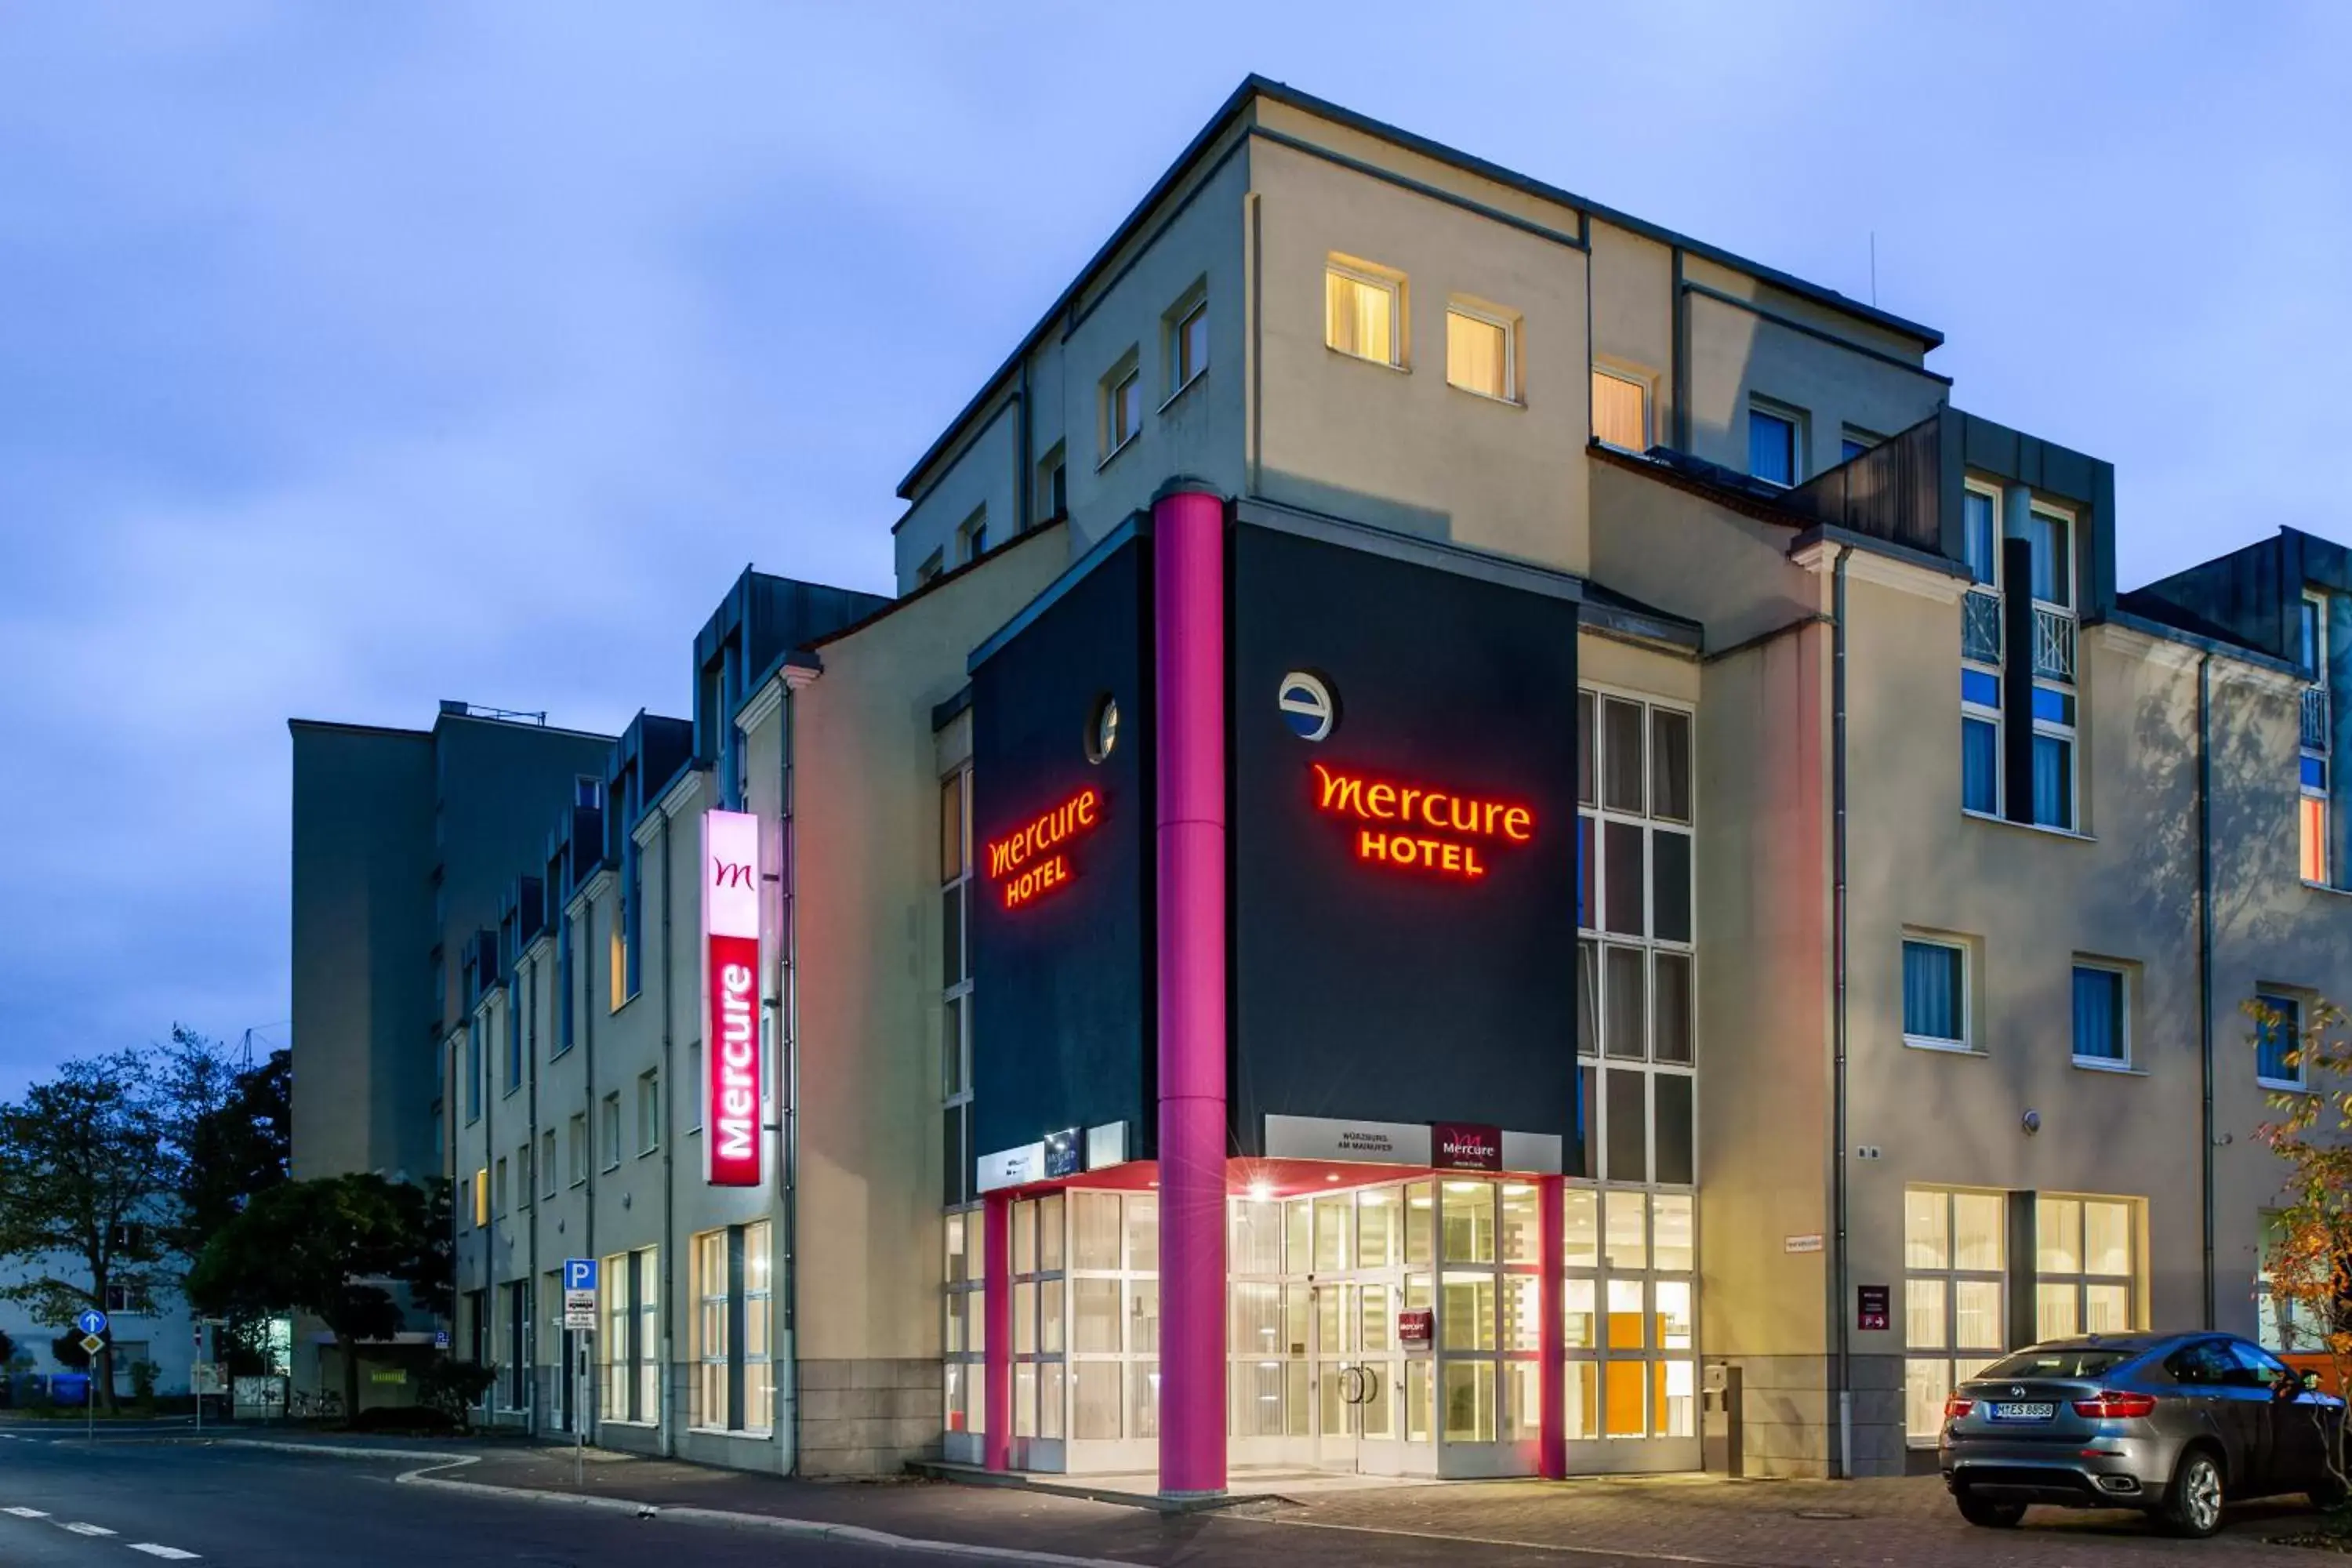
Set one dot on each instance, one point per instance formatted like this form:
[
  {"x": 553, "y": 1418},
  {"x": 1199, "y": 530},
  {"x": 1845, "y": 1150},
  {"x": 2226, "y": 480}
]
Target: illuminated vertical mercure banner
[{"x": 731, "y": 999}]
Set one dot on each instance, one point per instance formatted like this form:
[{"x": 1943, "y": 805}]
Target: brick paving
[{"x": 1641, "y": 1522}]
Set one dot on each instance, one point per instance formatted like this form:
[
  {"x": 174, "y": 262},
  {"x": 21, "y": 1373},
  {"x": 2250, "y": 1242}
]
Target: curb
[
  {"x": 801, "y": 1529},
  {"x": 973, "y": 1476}
]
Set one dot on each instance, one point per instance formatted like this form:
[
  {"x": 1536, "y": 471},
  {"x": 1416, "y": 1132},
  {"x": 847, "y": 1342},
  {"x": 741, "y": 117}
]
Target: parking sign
[
  {"x": 578, "y": 1274},
  {"x": 578, "y": 1293}
]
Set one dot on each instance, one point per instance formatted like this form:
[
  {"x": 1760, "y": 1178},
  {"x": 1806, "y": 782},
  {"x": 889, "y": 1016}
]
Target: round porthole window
[
  {"x": 1307, "y": 706},
  {"x": 1102, "y": 727}
]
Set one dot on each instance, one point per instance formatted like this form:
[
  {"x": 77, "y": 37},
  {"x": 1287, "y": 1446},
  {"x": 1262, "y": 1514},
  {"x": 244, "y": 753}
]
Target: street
[
  {"x": 75, "y": 1505},
  {"x": 156, "y": 1494}
]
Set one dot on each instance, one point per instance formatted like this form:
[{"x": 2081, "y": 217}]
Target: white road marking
[
  {"x": 171, "y": 1552},
  {"x": 25, "y": 1513},
  {"x": 90, "y": 1530}
]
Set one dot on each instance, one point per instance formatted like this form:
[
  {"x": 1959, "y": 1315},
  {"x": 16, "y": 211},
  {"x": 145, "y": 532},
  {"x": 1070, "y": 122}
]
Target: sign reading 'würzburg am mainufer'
[{"x": 731, "y": 999}]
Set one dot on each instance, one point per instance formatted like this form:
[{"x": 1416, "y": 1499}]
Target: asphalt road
[{"x": 125, "y": 1501}]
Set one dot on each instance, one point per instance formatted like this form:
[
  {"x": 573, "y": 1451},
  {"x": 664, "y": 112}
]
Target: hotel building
[{"x": 1482, "y": 839}]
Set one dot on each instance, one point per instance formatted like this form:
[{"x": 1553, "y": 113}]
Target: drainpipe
[
  {"x": 1022, "y": 480},
  {"x": 788, "y": 935},
  {"x": 538, "y": 1180},
  {"x": 2205, "y": 965},
  {"x": 1842, "y": 1264},
  {"x": 667, "y": 1413}
]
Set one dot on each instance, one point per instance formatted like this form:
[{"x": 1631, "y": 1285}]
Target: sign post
[
  {"x": 579, "y": 1318},
  {"x": 92, "y": 1324}
]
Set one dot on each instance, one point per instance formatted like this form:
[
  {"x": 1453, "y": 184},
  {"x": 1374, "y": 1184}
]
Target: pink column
[
  {"x": 996, "y": 1326},
  {"x": 1188, "y": 601},
  {"x": 1551, "y": 1378}
]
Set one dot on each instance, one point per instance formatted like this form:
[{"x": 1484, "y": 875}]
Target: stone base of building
[
  {"x": 1789, "y": 1416},
  {"x": 868, "y": 1418}
]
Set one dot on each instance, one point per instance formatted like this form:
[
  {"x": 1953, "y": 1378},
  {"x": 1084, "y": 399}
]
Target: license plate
[{"x": 2011, "y": 1411}]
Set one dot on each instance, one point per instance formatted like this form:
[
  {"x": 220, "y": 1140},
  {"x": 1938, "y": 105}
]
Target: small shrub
[{"x": 454, "y": 1388}]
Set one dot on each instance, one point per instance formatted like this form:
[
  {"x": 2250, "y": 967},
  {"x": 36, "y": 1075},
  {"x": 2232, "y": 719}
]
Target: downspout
[
  {"x": 538, "y": 1180},
  {"x": 1022, "y": 498},
  {"x": 1841, "y": 1265},
  {"x": 2205, "y": 966},
  {"x": 668, "y": 1411},
  {"x": 585, "y": 1413},
  {"x": 788, "y": 929}
]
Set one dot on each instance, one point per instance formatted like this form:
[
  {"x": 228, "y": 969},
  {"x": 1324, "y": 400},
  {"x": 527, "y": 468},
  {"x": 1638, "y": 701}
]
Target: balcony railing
[
  {"x": 1980, "y": 625},
  {"x": 2054, "y": 643},
  {"x": 2315, "y": 718}
]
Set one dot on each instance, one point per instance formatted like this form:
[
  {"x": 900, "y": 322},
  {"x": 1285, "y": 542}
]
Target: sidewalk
[{"x": 1590, "y": 1523}]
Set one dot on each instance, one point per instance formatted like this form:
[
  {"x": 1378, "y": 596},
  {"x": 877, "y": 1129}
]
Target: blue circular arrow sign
[{"x": 91, "y": 1321}]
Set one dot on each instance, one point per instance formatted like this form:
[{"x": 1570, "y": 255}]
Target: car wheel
[
  {"x": 1991, "y": 1515},
  {"x": 2192, "y": 1503}
]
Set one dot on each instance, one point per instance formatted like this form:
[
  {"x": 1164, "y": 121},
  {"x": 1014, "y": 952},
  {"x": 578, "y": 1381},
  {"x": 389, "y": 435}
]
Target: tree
[
  {"x": 329, "y": 1247},
  {"x": 231, "y": 1132},
  {"x": 81, "y": 1186},
  {"x": 2308, "y": 1256}
]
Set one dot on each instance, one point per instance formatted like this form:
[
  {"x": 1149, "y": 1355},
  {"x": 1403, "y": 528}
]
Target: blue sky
[{"x": 357, "y": 356}]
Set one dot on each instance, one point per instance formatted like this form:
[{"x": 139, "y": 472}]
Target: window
[
  {"x": 616, "y": 956},
  {"x": 525, "y": 1183},
  {"x": 1772, "y": 444},
  {"x": 2053, "y": 558},
  {"x": 1636, "y": 960},
  {"x": 1620, "y": 411},
  {"x": 474, "y": 1069},
  {"x": 649, "y": 1113},
  {"x": 1630, "y": 1299},
  {"x": 2102, "y": 1024},
  {"x": 608, "y": 1129},
  {"x": 1481, "y": 351},
  {"x": 933, "y": 564},
  {"x": 631, "y": 1350},
  {"x": 2278, "y": 1041},
  {"x": 955, "y": 979},
  {"x": 1980, "y": 538},
  {"x": 2284, "y": 1316},
  {"x": 964, "y": 1337},
  {"x": 1979, "y": 741},
  {"x": 1934, "y": 994},
  {"x": 2313, "y": 784},
  {"x": 694, "y": 1082},
  {"x": 1188, "y": 344},
  {"x": 2054, "y": 757},
  {"x": 578, "y": 1148},
  {"x": 131, "y": 1300},
  {"x": 1363, "y": 311},
  {"x": 735, "y": 1388},
  {"x": 1855, "y": 442},
  {"x": 971, "y": 537},
  {"x": 481, "y": 1190},
  {"x": 587, "y": 791},
  {"x": 499, "y": 1200},
  {"x": 1053, "y": 486},
  {"x": 1122, "y": 408},
  {"x": 2084, "y": 1277},
  {"x": 1955, "y": 1312}
]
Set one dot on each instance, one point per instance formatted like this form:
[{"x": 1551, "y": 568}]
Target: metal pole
[{"x": 580, "y": 1427}]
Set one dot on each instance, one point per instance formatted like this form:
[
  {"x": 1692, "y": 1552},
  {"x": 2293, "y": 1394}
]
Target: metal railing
[
  {"x": 2054, "y": 643},
  {"x": 2315, "y": 718},
  {"x": 1980, "y": 625}
]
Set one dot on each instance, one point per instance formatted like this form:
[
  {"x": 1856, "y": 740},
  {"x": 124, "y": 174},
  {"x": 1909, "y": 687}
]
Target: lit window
[
  {"x": 1772, "y": 445},
  {"x": 2086, "y": 1276},
  {"x": 1479, "y": 352},
  {"x": 2102, "y": 1028},
  {"x": 1363, "y": 311},
  {"x": 2278, "y": 1041},
  {"x": 1188, "y": 344},
  {"x": 1934, "y": 994},
  {"x": 1621, "y": 411},
  {"x": 2313, "y": 823},
  {"x": 1954, "y": 1315},
  {"x": 482, "y": 1196}
]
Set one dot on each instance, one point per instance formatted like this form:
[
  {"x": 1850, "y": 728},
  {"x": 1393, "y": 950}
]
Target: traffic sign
[
  {"x": 578, "y": 1274},
  {"x": 90, "y": 1320},
  {"x": 579, "y": 1293},
  {"x": 91, "y": 1344}
]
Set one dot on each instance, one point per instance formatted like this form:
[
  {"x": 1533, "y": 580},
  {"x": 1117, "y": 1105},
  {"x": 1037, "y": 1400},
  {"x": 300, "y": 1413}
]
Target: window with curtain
[
  {"x": 1772, "y": 446},
  {"x": 2054, "y": 757},
  {"x": 2085, "y": 1267},
  {"x": 1979, "y": 537},
  {"x": 1979, "y": 741},
  {"x": 1955, "y": 1259},
  {"x": 2053, "y": 558},
  {"x": 1621, "y": 411},
  {"x": 2100, "y": 1037},
  {"x": 2278, "y": 1041},
  {"x": 1361, "y": 312},
  {"x": 1934, "y": 979},
  {"x": 1478, "y": 353}
]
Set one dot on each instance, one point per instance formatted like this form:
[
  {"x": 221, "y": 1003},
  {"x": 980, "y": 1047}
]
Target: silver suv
[{"x": 2168, "y": 1423}]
